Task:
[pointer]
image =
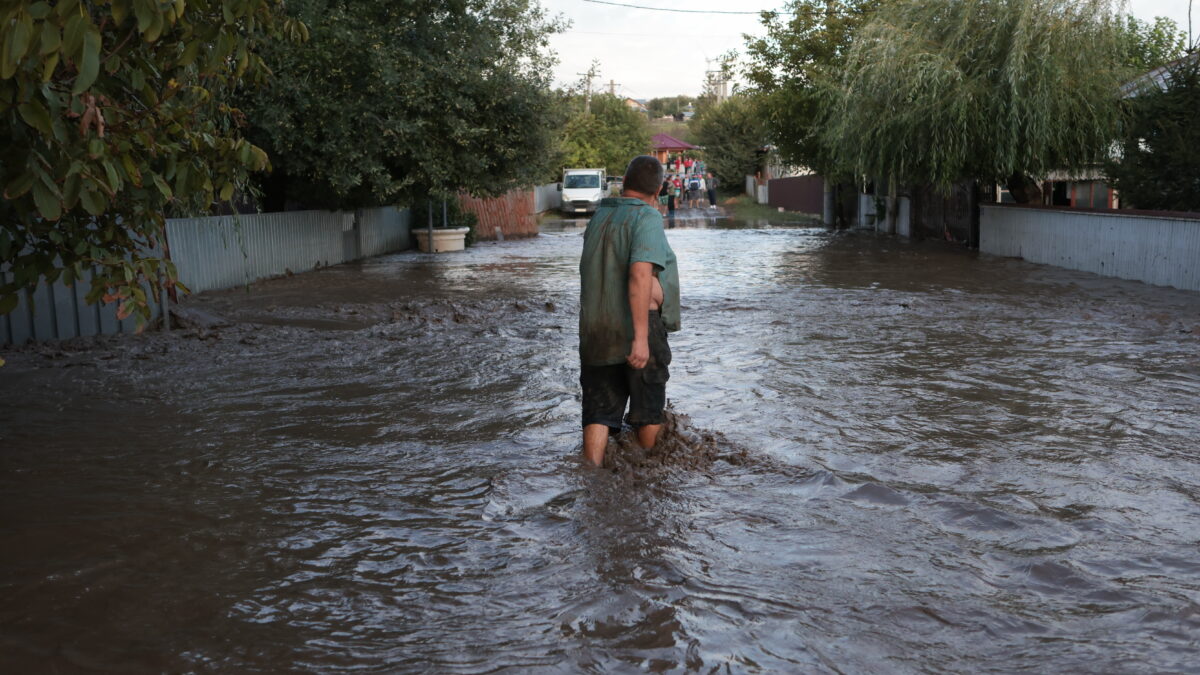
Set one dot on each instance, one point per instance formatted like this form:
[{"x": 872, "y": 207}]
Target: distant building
[
  {"x": 636, "y": 104},
  {"x": 666, "y": 144}
]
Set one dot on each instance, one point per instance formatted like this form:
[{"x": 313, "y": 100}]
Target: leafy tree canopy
[
  {"x": 390, "y": 101},
  {"x": 793, "y": 66},
  {"x": 732, "y": 134},
  {"x": 1146, "y": 46},
  {"x": 670, "y": 105},
  {"x": 114, "y": 113},
  {"x": 936, "y": 91},
  {"x": 1159, "y": 167},
  {"x": 608, "y": 136}
]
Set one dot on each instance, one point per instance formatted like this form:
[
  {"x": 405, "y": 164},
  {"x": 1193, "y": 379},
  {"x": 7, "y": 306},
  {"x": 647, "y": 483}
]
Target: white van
[{"x": 582, "y": 190}]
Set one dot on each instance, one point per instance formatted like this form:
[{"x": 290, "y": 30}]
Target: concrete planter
[{"x": 444, "y": 239}]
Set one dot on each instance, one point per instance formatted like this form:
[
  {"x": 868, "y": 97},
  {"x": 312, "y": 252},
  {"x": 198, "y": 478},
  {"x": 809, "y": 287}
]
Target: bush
[{"x": 1159, "y": 167}]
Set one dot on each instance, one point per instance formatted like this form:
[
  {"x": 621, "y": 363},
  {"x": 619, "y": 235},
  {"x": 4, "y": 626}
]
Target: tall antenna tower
[{"x": 716, "y": 82}]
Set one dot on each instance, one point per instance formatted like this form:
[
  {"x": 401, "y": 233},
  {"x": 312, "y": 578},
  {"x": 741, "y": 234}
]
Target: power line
[
  {"x": 681, "y": 35},
  {"x": 681, "y": 11}
]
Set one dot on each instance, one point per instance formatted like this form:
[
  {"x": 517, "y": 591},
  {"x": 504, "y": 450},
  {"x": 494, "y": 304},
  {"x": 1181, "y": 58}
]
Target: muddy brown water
[{"x": 910, "y": 459}]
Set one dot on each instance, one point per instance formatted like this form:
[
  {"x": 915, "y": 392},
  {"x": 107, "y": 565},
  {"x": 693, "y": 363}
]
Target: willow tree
[
  {"x": 938, "y": 91},
  {"x": 793, "y": 64}
]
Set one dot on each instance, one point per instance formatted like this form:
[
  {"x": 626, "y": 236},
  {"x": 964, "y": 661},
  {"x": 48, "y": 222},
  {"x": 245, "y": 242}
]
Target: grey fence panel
[
  {"x": 215, "y": 253},
  {"x": 1159, "y": 250},
  {"x": 22, "y": 320},
  {"x": 59, "y": 311},
  {"x": 546, "y": 197},
  {"x": 43, "y": 313},
  {"x": 66, "y": 314},
  {"x": 88, "y": 315},
  {"x": 384, "y": 230},
  {"x": 227, "y": 251}
]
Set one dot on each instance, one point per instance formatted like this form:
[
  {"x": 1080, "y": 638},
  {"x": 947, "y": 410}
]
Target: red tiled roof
[{"x": 669, "y": 142}]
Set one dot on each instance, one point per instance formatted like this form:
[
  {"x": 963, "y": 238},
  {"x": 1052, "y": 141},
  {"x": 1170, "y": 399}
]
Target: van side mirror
[{"x": 560, "y": 187}]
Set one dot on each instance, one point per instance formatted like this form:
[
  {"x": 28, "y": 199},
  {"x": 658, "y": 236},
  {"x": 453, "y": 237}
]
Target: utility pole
[
  {"x": 612, "y": 87},
  {"x": 1191, "y": 43},
  {"x": 592, "y": 72}
]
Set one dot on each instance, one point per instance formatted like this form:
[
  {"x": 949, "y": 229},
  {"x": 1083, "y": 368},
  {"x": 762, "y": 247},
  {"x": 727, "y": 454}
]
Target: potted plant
[{"x": 445, "y": 222}]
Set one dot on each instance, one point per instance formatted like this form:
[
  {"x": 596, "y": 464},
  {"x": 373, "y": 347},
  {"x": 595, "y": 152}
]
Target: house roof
[
  {"x": 1159, "y": 78},
  {"x": 669, "y": 142}
]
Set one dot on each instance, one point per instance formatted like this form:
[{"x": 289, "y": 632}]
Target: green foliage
[
  {"x": 669, "y": 105},
  {"x": 390, "y": 101},
  {"x": 732, "y": 135},
  {"x": 607, "y": 137},
  {"x": 937, "y": 91},
  {"x": 113, "y": 114},
  {"x": 795, "y": 64},
  {"x": 1159, "y": 167},
  {"x": 1146, "y": 46}
]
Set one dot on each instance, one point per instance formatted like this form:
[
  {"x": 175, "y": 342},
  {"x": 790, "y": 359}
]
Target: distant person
[
  {"x": 712, "y": 190},
  {"x": 628, "y": 301},
  {"x": 663, "y": 192},
  {"x": 694, "y": 188},
  {"x": 672, "y": 197}
]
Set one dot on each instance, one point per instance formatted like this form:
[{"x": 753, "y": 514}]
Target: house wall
[{"x": 1158, "y": 249}]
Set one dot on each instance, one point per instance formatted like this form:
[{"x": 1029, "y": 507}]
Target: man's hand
[
  {"x": 641, "y": 275},
  {"x": 639, "y": 354}
]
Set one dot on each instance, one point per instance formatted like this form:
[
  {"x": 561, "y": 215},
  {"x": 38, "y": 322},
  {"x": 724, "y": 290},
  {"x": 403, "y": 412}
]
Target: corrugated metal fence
[
  {"x": 58, "y": 311},
  {"x": 214, "y": 253},
  {"x": 546, "y": 197},
  {"x": 1156, "y": 249}
]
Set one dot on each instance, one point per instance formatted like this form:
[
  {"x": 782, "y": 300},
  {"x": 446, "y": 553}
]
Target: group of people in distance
[{"x": 688, "y": 190}]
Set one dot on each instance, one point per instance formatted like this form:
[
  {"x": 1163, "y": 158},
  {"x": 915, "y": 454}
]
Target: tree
[
  {"x": 1158, "y": 167},
  {"x": 113, "y": 114},
  {"x": 670, "y": 105},
  {"x": 609, "y": 136},
  {"x": 795, "y": 64},
  {"x": 392, "y": 101},
  {"x": 1146, "y": 46},
  {"x": 938, "y": 91},
  {"x": 733, "y": 135}
]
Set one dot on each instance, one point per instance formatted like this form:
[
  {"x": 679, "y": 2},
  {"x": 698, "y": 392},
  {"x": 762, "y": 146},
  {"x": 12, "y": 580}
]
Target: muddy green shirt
[{"x": 623, "y": 231}]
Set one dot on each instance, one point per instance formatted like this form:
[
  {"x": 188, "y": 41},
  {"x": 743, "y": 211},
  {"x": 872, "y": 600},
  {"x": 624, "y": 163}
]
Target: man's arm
[{"x": 640, "y": 281}]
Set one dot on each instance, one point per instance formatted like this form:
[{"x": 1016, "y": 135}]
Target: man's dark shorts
[{"x": 606, "y": 389}]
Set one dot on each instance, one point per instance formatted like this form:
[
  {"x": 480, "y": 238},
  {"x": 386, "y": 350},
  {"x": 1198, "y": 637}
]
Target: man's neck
[{"x": 634, "y": 194}]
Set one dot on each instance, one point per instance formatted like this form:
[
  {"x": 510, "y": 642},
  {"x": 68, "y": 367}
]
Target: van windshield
[{"x": 582, "y": 180}]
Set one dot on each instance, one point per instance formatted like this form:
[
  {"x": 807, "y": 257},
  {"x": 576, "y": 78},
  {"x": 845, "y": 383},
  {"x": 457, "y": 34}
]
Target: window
[{"x": 582, "y": 180}]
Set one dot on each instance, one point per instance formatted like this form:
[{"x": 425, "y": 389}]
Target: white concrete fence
[{"x": 1158, "y": 249}]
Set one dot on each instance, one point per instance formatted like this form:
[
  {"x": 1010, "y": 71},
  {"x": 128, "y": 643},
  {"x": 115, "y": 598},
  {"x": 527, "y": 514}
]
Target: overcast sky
[{"x": 648, "y": 54}]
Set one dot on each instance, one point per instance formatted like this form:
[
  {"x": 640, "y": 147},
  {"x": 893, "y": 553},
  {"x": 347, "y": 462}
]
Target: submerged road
[{"x": 947, "y": 464}]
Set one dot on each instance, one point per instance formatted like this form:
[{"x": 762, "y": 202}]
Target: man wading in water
[{"x": 629, "y": 300}]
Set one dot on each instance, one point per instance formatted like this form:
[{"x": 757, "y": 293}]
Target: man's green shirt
[{"x": 623, "y": 231}]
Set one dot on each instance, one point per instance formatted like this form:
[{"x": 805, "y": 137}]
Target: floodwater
[{"x": 911, "y": 459}]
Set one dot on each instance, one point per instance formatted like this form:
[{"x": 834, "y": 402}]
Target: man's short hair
[{"x": 644, "y": 174}]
